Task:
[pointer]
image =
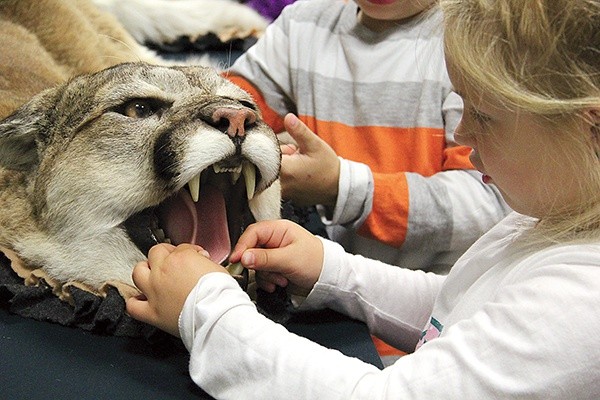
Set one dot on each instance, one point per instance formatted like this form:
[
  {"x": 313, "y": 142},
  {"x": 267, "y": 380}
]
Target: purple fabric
[{"x": 270, "y": 9}]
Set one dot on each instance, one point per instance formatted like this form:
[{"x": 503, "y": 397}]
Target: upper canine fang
[{"x": 249, "y": 172}]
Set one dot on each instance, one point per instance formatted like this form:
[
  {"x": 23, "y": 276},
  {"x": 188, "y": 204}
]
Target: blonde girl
[
  {"x": 517, "y": 317},
  {"x": 541, "y": 59}
]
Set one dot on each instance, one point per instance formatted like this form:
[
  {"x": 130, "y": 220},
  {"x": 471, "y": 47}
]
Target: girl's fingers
[
  {"x": 159, "y": 252},
  {"x": 141, "y": 276},
  {"x": 269, "y": 282},
  {"x": 266, "y": 260},
  {"x": 139, "y": 309},
  {"x": 271, "y": 277},
  {"x": 269, "y": 234}
]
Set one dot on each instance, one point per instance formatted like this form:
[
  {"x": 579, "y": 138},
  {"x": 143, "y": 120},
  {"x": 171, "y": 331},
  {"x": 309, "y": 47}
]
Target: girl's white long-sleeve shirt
[{"x": 511, "y": 320}]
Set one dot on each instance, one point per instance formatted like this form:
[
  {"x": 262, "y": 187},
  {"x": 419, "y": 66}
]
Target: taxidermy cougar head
[{"x": 95, "y": 171}]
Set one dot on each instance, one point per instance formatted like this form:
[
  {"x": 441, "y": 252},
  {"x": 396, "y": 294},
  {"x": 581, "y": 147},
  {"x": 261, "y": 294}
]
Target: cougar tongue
[{"x": 203, "y": 223}]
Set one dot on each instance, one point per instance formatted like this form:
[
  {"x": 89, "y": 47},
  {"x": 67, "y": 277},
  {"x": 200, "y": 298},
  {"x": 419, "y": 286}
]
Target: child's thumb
[
  {"x": 304, "y": 137},
  {"x": 270, "y": 260},
  {"x": 138, "y": 308}
]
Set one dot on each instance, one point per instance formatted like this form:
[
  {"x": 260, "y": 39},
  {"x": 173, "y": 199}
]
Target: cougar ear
[{"x": 24, "y": 131}]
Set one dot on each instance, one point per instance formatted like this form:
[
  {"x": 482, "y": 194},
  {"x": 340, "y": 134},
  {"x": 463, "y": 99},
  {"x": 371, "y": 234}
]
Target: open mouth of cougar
[{"x": 211, "y": 211}]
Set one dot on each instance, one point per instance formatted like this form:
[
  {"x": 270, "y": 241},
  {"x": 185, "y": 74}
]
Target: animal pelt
[
  {"x": 46, "y": 42},
  {"x": 97, "y": 148},
  {"x": 165, "y": 22}
]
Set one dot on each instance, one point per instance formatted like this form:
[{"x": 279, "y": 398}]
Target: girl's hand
[
  {"x": 282, "y": 253},
  {"x": 165, "y": 280}
]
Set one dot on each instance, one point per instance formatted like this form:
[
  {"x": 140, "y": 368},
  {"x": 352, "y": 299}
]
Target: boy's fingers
[
  {"x": 288, "y": 149},
  {"x": 300, "y": 133}
]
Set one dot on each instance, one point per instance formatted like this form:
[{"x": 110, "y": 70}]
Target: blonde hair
[{"x": 543, "y": 57}]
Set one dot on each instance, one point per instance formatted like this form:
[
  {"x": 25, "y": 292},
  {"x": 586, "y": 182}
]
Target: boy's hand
[
  {"x": 309, "y": 175},
  {"x": 166, "y": 280},
  {"x": 282, "y": 253}
]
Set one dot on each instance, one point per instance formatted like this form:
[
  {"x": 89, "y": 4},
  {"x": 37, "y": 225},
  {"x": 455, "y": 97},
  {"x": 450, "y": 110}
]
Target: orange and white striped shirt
[{"x": 408, "y": 195}]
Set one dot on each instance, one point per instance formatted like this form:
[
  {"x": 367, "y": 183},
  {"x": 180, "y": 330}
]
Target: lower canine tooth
[
  {"x": 235, "y": 175},
  {"x": 194, "y": 185},
  {"x": 235, "y": 268},
  {"x": 249, "y": 172}
]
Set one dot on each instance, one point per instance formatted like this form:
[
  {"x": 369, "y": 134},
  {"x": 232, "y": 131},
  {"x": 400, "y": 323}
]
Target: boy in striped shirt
[{"x": 369, "y": 78}]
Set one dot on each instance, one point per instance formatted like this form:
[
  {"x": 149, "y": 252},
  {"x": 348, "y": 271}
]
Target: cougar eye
[
  {"x": 248, "y": 104},
  {"x": 140, "y": 108}
]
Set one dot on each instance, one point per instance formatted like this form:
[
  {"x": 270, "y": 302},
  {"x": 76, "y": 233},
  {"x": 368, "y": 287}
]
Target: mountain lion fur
[{"x": 105, "y": 152}]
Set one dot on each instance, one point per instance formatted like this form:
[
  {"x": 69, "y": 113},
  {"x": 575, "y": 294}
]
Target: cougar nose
[{"x": 234, "y": 121}]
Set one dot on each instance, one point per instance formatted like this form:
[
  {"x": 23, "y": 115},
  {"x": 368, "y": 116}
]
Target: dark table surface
[{"x": 41, "y": 360}]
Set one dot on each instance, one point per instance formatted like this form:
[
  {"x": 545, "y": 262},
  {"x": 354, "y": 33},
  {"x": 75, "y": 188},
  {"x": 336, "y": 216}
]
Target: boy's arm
[{"x": 444, "y": 211}]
